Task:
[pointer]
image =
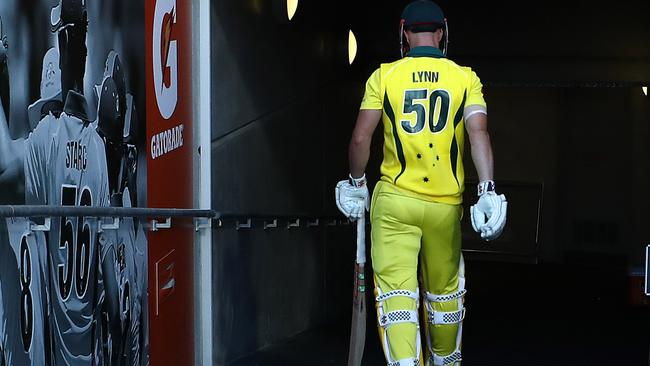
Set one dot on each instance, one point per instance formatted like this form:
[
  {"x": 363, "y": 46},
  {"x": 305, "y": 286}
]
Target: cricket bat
[{"x": 358, "y": 329}]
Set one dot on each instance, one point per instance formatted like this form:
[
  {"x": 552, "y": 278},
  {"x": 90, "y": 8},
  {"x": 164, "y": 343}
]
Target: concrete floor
[{"x": 526, "y": 315}]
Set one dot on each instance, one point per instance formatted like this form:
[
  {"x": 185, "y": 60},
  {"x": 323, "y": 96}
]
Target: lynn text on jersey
[{"x": 426, "y": 77}]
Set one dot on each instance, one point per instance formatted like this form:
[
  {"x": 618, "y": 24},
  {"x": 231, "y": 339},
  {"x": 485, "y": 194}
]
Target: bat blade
[{"x": 358, "y": 327}]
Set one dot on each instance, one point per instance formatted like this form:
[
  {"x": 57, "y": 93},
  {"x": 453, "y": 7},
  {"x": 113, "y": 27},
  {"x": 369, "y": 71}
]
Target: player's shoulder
[
  {"x": 46, "y": 127},
  {"x": 463, "y": 70},
  {"x": 43, "y": 136},
  {"x": 385, "y": 70},
  {"x": 387, "y": 67},
  {"x": 91, "y": 136}
]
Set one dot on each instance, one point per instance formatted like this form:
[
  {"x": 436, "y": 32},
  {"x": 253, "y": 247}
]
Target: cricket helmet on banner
[
  {"x": 112, "y": 104},
  {"x": 110, "y": 120},
  {"x": 115, "y": 71}
]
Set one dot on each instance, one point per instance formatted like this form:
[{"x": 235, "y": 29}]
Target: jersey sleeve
[
  {"x": 475, "y": 101},
  {"x": 475, "y": 92},
  {"x": 372, "y": 96},
  {"x": 36, "y": 149}
]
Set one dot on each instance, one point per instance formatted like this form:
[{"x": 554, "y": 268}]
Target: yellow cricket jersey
[{"x": 424, "y": 98}]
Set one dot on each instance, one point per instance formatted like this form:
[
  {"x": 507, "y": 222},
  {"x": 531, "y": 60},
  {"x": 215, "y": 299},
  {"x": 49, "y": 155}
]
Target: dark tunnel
[{"x": 570, "y": 126}]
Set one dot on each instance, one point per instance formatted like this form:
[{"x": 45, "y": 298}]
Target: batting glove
[
  {"x": 352, "y": 197},
  {"x": 489, "y": 213}
]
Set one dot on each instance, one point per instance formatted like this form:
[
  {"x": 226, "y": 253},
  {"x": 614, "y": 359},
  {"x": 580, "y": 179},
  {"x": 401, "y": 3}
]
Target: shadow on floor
[{"x": 518, "y": 314}]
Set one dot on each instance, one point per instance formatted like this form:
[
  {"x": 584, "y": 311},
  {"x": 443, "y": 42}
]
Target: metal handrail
[
  {"x": 271, "y": 216},
  {"x": 203, "y": 217},
  {"x": 93, "y": 211}
]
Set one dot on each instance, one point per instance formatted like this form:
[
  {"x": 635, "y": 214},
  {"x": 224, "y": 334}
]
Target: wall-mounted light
[
  {"x": 645, "y": 90},
  {"x": 292, "y": 7},
  {"x": 352, "y": 47}
]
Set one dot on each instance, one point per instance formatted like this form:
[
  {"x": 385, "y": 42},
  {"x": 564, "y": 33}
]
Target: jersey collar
[{"x": 425, "y": 51}]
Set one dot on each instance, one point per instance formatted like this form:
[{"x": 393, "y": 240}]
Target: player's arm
[
  {"x": 10, "y": 150},
  {"x": 6, "y": 145},
  {"x": 5, "y": 141},
  {"x": 481, "y": 146},
  {"x": 359, "y": 150},
  {"x": 352, "y": 195},
  {"x": 488, "y": 215}
]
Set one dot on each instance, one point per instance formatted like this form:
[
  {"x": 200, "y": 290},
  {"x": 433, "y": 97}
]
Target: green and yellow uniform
[
  {"x": 415, "y": 210},
  {"x": 423, "y": 97}
]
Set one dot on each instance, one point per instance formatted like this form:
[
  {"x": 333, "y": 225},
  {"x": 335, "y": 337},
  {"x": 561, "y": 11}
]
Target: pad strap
[
  {"x": 446, "y": 360},
  {"x": 398, "y": 316},
  {"x": 395, "y": 293},
  {"x": 446, "y": 317},
  {"x": 406, "y": 362},
  {"x": 445, "y": 298}
]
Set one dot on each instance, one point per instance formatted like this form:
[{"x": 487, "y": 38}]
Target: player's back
[
  {"x": 23, "y": 296},
  {"x": 424, "y": 98},
  {"x": 66, "y": 165}
]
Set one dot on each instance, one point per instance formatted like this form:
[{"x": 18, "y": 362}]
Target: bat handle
[{"x": 361, "y": 240}]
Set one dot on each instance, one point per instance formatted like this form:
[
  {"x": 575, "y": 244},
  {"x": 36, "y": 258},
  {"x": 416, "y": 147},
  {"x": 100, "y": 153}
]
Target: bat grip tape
[{"x": 361, "y": 240}]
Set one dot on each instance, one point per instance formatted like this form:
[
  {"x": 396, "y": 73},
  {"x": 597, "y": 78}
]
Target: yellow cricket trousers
[{"x": 407, "y": 228}]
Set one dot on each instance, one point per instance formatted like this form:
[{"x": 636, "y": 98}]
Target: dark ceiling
[{"x": 551, "y": 41}]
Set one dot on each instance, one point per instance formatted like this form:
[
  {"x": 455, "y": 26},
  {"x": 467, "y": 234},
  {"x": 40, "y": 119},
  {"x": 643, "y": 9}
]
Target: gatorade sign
[{"x": 168, "y": 45}]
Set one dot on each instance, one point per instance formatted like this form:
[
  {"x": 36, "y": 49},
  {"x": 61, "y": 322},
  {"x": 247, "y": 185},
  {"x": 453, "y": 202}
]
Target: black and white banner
[{"x": 72, "y": 133}]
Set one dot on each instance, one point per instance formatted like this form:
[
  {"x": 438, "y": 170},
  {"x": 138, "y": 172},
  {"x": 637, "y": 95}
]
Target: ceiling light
[
  {"x": 352, "y": 47},
  {"x": 292, "y": 6},
  {"x": 645, "y": 90}
]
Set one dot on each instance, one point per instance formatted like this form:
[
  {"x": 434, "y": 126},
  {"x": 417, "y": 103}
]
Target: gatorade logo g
[{"x": 165, "y": 58}]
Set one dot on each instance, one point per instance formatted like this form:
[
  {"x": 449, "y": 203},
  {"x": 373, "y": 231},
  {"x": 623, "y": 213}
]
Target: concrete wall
[
  {"x": 281, "y": 120},
  {"x": 588, "y": 146}
]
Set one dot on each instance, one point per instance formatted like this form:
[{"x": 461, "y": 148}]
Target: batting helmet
[
  {"x": 115, "y": 71},
  {"x": 423, "y": 16},
  {"x": 110, "y": 119}
]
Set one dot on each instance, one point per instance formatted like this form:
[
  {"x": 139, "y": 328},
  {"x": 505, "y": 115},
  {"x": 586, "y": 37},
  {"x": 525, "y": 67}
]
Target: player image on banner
[
  {"x": 23, "y": 327},
  {"x": 70, "y": 136}
]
